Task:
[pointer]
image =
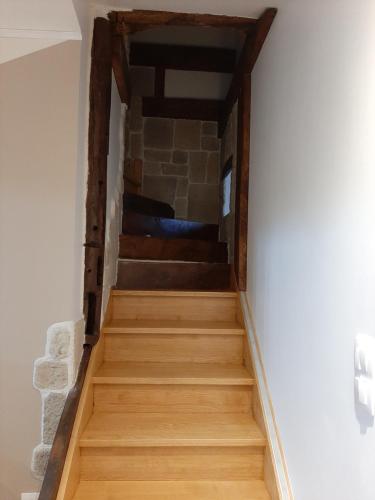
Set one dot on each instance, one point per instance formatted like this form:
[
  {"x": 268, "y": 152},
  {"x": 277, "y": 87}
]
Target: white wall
[
  {"x": 115, "y": 169},
  {"x": 38, "y": 244},
  {"x": 312, "y": 239}
]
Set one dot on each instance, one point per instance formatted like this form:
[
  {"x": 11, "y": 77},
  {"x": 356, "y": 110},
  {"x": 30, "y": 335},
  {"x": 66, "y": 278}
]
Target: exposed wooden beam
[
  {"x": 159, "y": 81},
  {"x": 183, "y": 57},
  {"x": 242, "y": 182},
  {"x": 120, "y": 67},
  {"x": 139, "y": 20},
  {"x": 249, "y": 55},
  {"x": 176, "y": 107}
]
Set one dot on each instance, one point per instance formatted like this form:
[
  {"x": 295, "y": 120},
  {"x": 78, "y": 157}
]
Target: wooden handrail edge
[{"x": 59, "y": 450}]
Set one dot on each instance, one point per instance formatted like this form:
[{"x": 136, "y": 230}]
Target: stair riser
[
  {"x": 174, "y": 348},
  {"x": 172, "y": 398},
  {"x": 139, "y": 247},
  {"x": 137, "y": 464},
  {"x": 144, "y": 275},
  {"x": 174, "y": 308}
]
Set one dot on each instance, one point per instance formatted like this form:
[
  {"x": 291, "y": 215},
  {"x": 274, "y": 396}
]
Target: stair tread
[
  {"x": 172, "y": 373},
  {"x": 170, "y": 490},
  {"x": 177, "y": 293},
  {"x": 173, "y": 326},
  {"x": 171, "y": 429}
]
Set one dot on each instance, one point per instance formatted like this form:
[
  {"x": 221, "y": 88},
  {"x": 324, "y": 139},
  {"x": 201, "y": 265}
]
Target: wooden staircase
[
  {"x": 167, "y": 411},
  {"x": 159, "y": 252}
]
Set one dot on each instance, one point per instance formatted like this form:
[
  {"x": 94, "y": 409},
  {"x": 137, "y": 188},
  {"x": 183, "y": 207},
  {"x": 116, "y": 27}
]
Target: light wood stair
[{"x": 169, "y": 404}]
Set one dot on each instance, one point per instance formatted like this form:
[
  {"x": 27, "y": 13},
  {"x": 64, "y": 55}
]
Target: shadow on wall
[{"x": 364, "y": 418}]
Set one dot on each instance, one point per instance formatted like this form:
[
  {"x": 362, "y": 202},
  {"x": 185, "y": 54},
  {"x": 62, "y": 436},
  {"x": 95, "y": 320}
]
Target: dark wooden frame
[{"x": 108, "y": 52}]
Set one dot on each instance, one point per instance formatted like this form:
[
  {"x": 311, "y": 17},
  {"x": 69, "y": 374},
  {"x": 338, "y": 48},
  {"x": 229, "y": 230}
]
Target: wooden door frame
[{"x": 255, "y": 32}]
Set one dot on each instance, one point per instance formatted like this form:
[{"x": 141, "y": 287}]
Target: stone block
[
  {"x": 59, "y": 337},
  {"x": 180, "y": 207},
  {"x": 157, "y": 155},
  {"x": 180, "y": 156},
  {"x": 39, "y": 460},
  {"x": 136, "y": 118},
  {"x": 210, "y": 143},
  {"x": 213, "y": 168},
  {"x": 162, "y": 188},
  {"x": 151, "y": 168},
  {"x": 52, "y": 407},
  {"x": 172, "y": 169},
  {"x": 203, "y": 205},
  {"x": 209, "y": 128},
  {"x": 136, "y": 146},
  {"x": 182, "y": 187},
  {"x": 142, "y": 81},
  {"x": 158, "y": 133},
  {"x": 198, "y": 162},
  {"x": 187, "y": 134},
  {"x": 50, "y": 374}
]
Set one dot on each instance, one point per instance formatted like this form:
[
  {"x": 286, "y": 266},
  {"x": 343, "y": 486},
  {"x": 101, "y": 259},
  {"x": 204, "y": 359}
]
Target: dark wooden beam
[
  {"x": 242, "y": 182},
  {"x": 176, "y": 107},
  {"x": 248, "y": 57},
  {"x": 59, "y": 450},
  {"x": 159, "y": 81},
  {"x": 98, "y": 145},
  {"x": 146, "y": 206},
  {"x": 121, "y": 68},
  {"x": 139, "y": 20},
  {"x": 181, "y": 57}
]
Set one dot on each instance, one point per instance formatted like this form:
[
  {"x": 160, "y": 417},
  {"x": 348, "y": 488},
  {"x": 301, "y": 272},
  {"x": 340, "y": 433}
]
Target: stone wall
[
  {"x": 54, "y": 375},
  {"x": 229, "y": 149},
  {"x": 181, "y": 161}
]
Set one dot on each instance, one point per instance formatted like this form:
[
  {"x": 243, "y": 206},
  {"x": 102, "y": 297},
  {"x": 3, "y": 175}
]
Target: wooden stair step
[
  {"x": 171, "y": 348},
  {"x": 183, "y": 463},
  {"x": 160, "y": 227},
  {"x": 172, "y": 373},
  {"x": 162, "y": 275},
  {"x": 143, "y": 247},
  {"x": 171, "y": 490},
  {"x": 177, "y": 327},
  {"x": 175, "y": 305},
  {"x": 171, "y": 429}
]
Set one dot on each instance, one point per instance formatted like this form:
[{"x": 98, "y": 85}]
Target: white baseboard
[
  {"x": 29, "y": 496},
  {"x": 276, "y": 450}
]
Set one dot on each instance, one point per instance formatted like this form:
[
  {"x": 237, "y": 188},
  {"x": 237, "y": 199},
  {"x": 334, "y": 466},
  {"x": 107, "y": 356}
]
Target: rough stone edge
[{"x": 63, "y": 345}]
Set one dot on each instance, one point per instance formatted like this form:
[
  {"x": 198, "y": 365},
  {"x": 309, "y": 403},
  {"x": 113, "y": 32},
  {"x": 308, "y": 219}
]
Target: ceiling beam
[
  {"x": 176, "y": 107},
  {"x": 248, "y": 57},
  {"x": 139, "y": 20},
  {"x": 182, "y": 57}
]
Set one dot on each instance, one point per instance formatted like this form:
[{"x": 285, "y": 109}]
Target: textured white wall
[
  {"x": 311, "y": 238},
  {"x": 38, "y": 244},
  {"x": 115, "y": 169}
]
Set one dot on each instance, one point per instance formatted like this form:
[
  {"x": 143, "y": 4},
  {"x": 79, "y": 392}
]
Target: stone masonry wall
[
  {"x": 181, "y": 161},
  {"x": 54, "y": 375}
]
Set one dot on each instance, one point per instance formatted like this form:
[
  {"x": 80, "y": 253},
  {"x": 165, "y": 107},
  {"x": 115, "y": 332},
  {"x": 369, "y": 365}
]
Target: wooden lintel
[
  {"x": 120, "y": 67},
  {"x": 248, "y": 57},
  {"x": 181, "y": 57},
  {"x": 175, "y": 107},
  {"x": 139, "y": 20}
]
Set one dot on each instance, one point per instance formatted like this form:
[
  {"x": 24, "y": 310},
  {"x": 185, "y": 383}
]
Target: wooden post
[
  {"x": 242, "y": 182},
  {"x": 100, "y": 107}
]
